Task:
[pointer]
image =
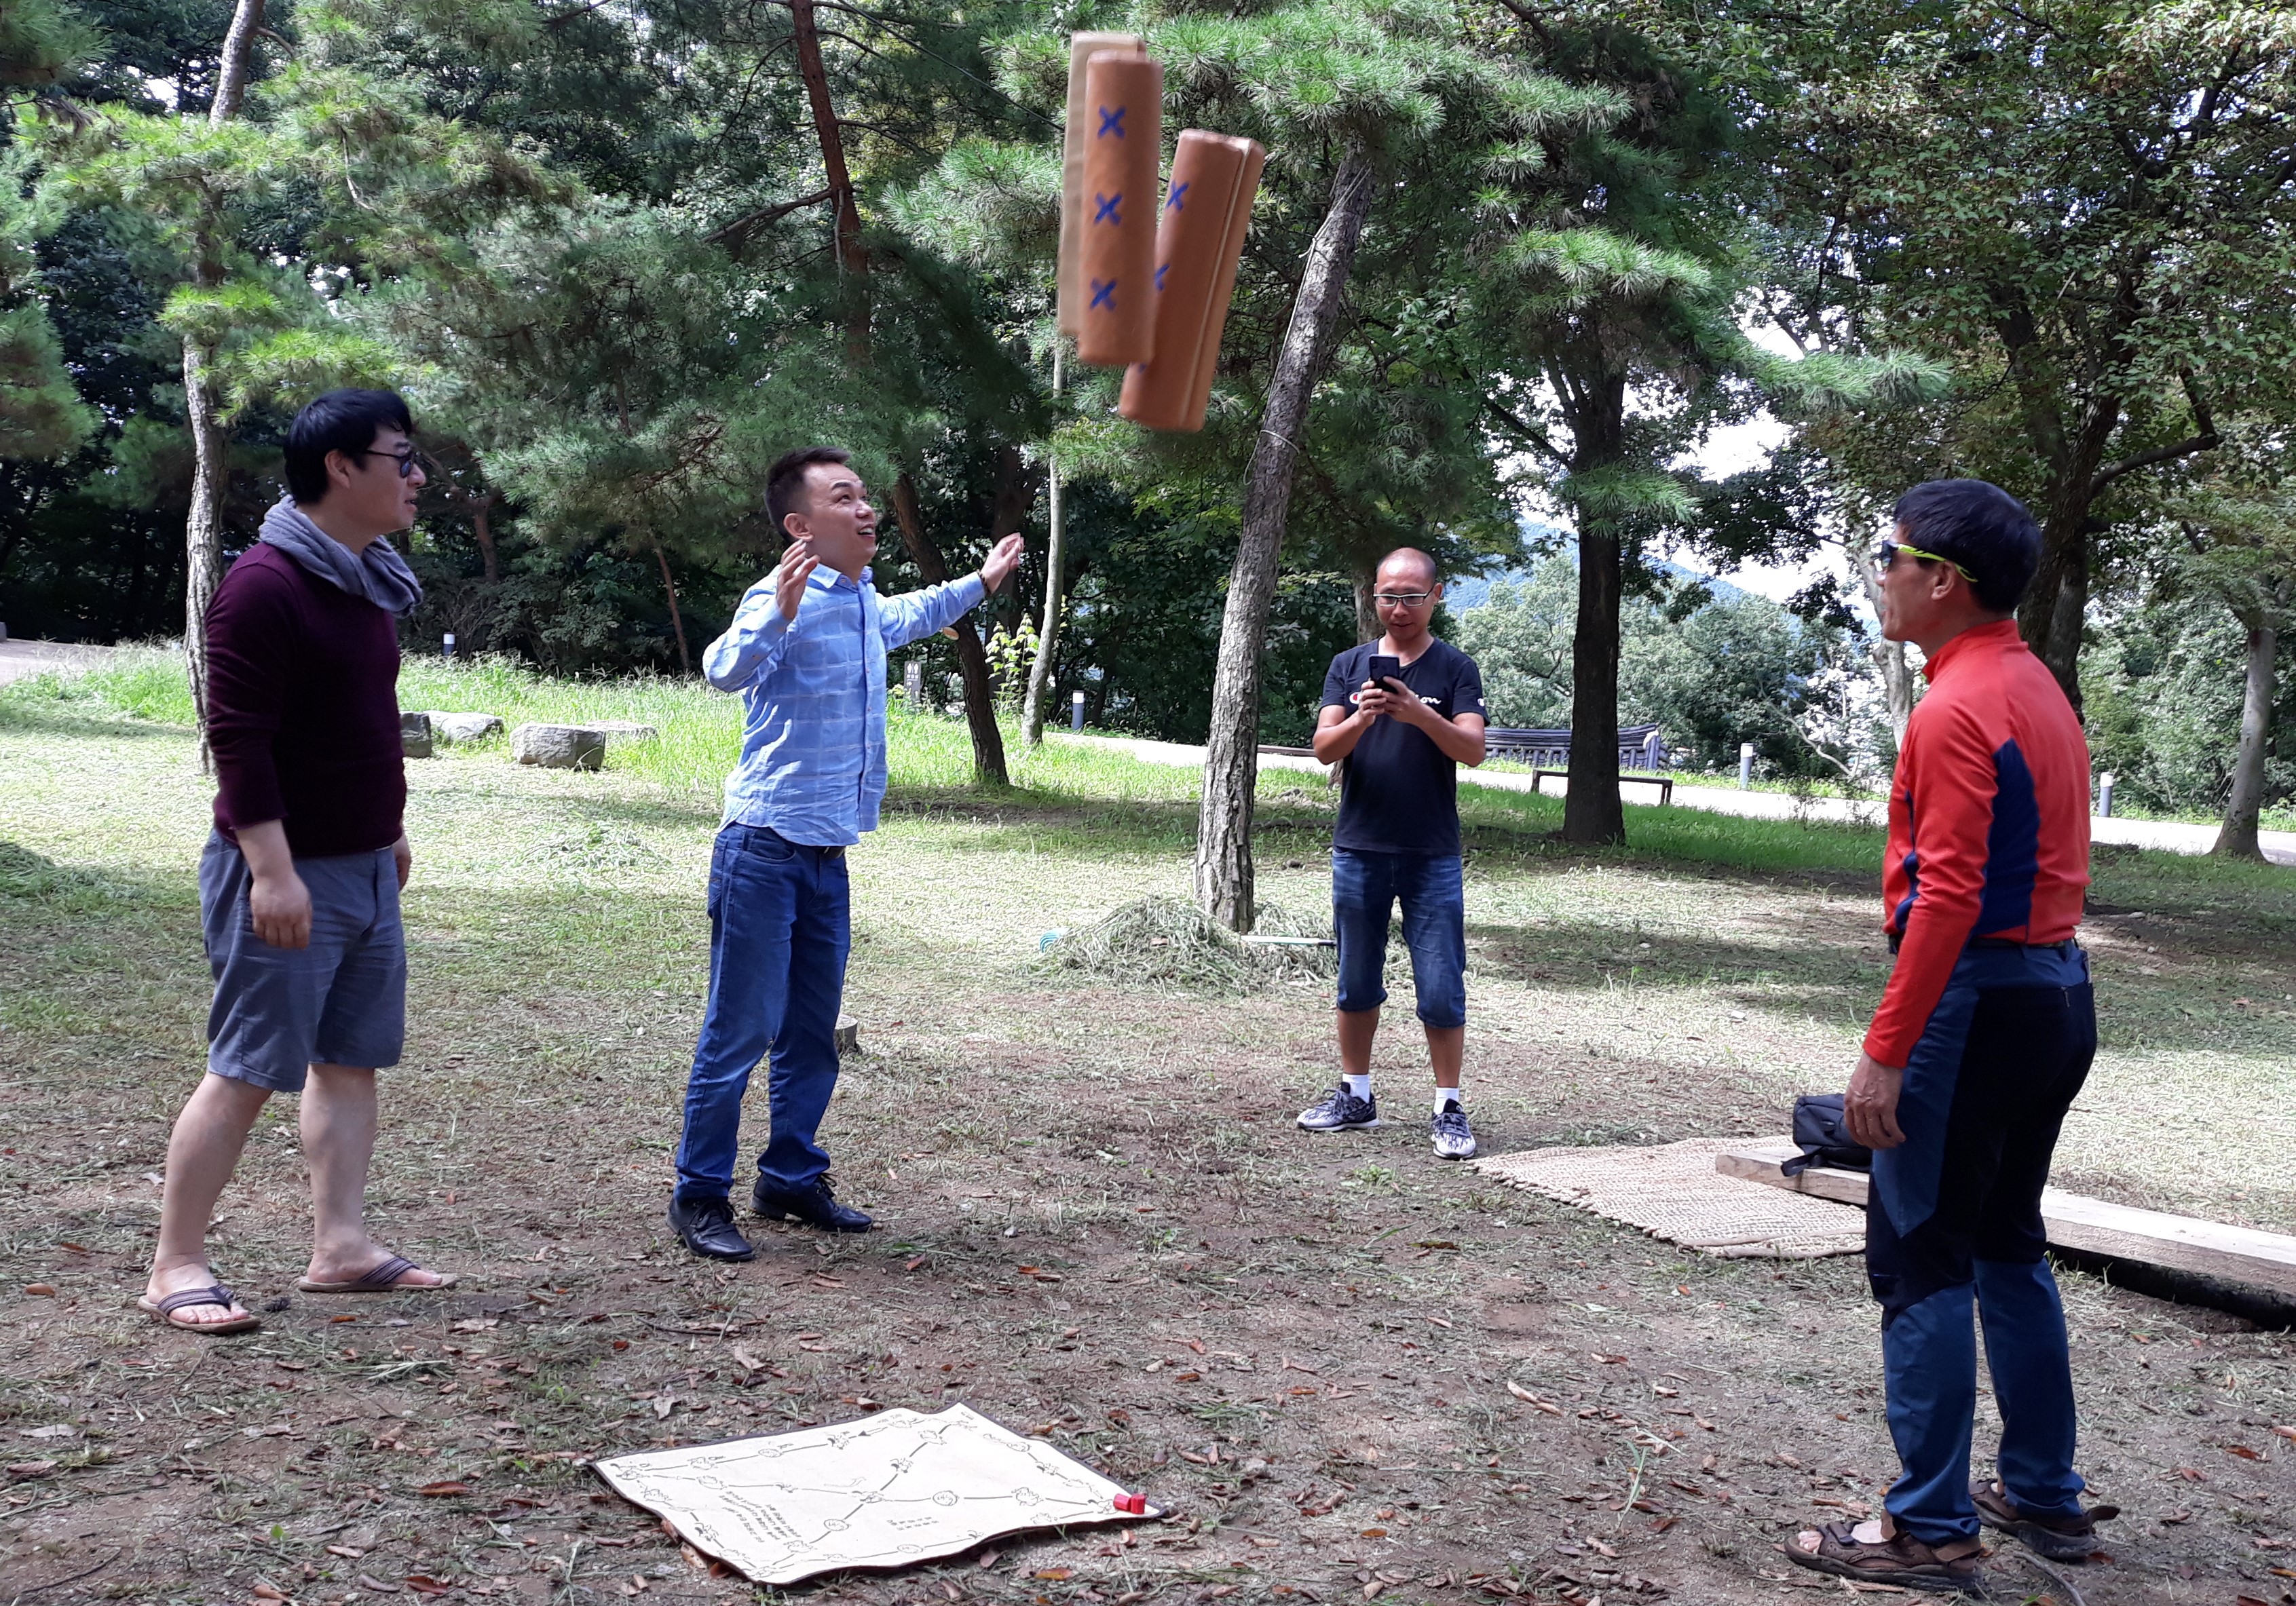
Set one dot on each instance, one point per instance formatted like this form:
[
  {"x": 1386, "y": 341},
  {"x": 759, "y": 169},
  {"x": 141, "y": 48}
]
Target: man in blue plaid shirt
[{"x": 807, "y": 651}]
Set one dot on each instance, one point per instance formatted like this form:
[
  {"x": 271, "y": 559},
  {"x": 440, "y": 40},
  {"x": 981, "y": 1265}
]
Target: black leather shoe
[
  {"x": 814, "y": 1206},
  {"x": 708, "y": 1229}
]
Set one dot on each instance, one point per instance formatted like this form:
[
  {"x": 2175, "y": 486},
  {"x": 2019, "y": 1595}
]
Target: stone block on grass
[
  {"x": 415, "y": 735},
  {"x": 624, "y": 730},
  {"x": 446, "y": 727},
  {"x": 559, "y": 746}
]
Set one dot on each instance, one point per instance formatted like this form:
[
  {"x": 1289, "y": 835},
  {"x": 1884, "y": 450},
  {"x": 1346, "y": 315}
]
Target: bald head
[{"x": 1407, "y": 564}]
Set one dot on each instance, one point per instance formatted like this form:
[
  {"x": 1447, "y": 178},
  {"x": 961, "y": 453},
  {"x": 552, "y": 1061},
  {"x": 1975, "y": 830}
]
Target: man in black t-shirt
[{"x": 1401, "y": 741}]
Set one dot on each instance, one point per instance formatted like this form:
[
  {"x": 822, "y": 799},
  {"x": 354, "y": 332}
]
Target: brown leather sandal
[
  {"x": 2058, "y": 1538},
  {"x": 1887, "y": 1557}
]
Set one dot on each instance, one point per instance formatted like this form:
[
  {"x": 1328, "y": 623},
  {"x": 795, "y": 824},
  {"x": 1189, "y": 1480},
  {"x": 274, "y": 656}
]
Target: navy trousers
[
  {"x": 780, "y": 930},
  {"x": 1953, "y": 1228}
]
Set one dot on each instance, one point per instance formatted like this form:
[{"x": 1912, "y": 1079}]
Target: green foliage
[
  {"x": 2161, "y": 689},
  {"x": 2074, "y": 207},
  {"x": 41, "y": 42},
  {"x": 590, "y": 244},
  {"x": 1710, "y": 675},
  {"x": 41, "y": 414}
]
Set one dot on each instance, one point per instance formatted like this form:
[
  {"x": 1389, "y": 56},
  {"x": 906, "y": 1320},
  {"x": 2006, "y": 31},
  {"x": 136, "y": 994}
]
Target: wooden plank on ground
[{"x": 2183, "y": 1243}]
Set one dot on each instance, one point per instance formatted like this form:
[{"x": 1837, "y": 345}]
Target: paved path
[
  {"x": 2168, "y": 836},
  {"x": 21, "y": 661}
]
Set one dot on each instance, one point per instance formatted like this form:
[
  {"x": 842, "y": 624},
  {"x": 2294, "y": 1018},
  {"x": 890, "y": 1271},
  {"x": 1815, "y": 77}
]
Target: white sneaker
[
  {"x": 1454, "y": 1138},
  {"x": 1341, "y": 1111}
]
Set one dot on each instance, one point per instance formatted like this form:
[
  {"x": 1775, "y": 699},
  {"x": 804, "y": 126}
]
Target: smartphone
[{"x": 1384, "y": 667}]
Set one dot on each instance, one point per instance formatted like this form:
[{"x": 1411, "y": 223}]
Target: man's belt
[{"x": 2065, "y": 948}]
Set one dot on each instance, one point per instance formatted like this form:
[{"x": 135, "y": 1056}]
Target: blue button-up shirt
[{"x": 813, "y": 740}]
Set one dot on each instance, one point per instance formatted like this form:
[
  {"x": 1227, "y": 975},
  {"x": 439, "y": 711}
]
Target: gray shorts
[{"x": 342, "y": 1001}]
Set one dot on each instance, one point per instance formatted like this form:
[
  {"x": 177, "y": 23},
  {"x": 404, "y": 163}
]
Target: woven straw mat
[{"x": 1674, "y": 1193}]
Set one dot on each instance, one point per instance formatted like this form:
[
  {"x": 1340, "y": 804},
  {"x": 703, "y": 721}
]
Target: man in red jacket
[
  {"x": 299, "y": 885},
  {"x": 1983, "y": 1037}
]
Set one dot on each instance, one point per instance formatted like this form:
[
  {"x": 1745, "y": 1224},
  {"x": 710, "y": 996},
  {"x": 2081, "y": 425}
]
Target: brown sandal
[
  {"x": 2058, "y": 1538},
  {"x": 1889, "y": 1557},
  {"x": 185, "y": 1299}
]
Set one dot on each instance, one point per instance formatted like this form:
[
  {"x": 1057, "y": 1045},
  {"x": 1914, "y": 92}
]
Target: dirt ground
[{"x": 1099, "y": 1225}]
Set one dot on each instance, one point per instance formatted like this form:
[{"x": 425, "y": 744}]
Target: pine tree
[
  {"x": 1342, "y": 93},
  {"x": 41, "y": 415}
]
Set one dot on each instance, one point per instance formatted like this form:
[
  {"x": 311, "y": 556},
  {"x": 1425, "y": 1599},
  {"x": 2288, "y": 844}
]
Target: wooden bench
[{"x": 1665, "y": 783}]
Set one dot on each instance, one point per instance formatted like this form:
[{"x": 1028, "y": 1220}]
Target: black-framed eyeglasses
[
  {"x": 1401, "y": 599},
  {"x": 405, "y": 460}
]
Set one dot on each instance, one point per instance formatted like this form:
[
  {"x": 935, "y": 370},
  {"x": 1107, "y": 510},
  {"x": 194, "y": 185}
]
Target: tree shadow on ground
[{"x": 24, "y": 709}]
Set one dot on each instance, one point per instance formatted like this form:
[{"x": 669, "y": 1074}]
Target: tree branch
[
  {"x": 2144, "y": 459},
  {"x": 1527, "y": 431},
  {"x": 736, "y": 235}
]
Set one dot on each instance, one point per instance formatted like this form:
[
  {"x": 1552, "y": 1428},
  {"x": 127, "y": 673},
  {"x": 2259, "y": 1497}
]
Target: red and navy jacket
[{"x": 1988, "y": 823}]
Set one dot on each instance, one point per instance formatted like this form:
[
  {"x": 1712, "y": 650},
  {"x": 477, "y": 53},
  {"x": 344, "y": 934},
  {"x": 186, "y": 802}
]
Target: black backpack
[{"x": 1822, "y": 1136}]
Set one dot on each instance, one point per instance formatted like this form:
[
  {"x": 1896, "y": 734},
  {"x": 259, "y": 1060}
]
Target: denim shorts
[
  {"x": 342, "y": 1001},
  {"x": 1365, "y": 888}
]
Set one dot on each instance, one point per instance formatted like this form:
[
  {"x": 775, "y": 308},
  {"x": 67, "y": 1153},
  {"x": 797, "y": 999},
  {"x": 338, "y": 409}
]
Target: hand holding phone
[{"x": 1374, "y": 697}]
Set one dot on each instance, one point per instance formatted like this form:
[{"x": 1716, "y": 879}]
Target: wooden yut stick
[
  {"x": 1069, "y": 279},
  {"x": 1124, "y": 99},
  {"x": 1206, "y": 209}
]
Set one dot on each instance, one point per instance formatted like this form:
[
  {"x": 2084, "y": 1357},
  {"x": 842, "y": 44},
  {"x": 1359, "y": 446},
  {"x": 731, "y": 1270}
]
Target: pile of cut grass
[{"x": 1164, "y": 943}]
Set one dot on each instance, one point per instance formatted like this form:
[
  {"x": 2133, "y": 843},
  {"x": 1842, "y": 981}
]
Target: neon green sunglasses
[{"x": 1887, "y": 554}]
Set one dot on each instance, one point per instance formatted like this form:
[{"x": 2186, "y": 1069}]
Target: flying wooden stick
[
  {"x": 1069, "y": 276},
  {"x": 1206, "y": 209},
  {"x": 1124, "y": 102}
]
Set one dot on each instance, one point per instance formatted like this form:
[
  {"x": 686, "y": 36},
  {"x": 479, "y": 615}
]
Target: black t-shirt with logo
[{"x": 1400, "y": 793}]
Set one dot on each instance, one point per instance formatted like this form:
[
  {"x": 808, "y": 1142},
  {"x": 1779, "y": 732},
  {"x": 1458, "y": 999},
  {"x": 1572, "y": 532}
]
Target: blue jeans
[
  {"x": 780, "y": 928},
  {"x": 1365, "y": 888},
  {"x": 1955, "y": 1241}
]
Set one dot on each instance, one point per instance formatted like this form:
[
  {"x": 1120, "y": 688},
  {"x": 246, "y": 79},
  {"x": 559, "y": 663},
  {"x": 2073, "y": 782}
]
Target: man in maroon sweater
[{"x": 299, "y": 885}]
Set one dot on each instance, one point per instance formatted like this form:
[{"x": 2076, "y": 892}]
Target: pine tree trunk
[
  {"x": 2237, "y": 837},
  {"x": 203, "y": 530},
  {"x": 210, "y": 439},
  {"x": 852, "y": 259},
  {"x": 678, "y": 625},
  {"x": 1592, "y": 812},
  {"x": 1040, "y": 672},
  {"x": 238, "y": 51},
  {"x": 972, "y": 657},
  {"x": 1367, "y": 626},
  {"x": 1224, "y": 869}
]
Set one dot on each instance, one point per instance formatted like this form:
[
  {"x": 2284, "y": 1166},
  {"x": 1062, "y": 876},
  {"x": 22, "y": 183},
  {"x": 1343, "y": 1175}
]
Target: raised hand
[
  {"x": 1003, "y": 559},
  {"x": 789, "y": 581}
]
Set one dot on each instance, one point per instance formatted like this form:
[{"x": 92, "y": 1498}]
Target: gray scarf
[{"x": 379, "y": 574}]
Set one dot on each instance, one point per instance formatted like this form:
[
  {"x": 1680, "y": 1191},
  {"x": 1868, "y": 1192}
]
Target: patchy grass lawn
[{"x": 1100, "y": 1222}]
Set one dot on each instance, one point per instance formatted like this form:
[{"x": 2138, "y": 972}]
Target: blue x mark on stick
[
  {"x": 1172, "y": 204},
  {"x": 1103, "y": 293},
  {"x": 1106, "y": 208},
  {"x": 1112, "y": 122}
]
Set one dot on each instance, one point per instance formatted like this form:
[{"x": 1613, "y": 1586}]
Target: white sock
[
  {"x": 1448, "y": 1096},
  {"x": 1358, "y": 1085}
]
